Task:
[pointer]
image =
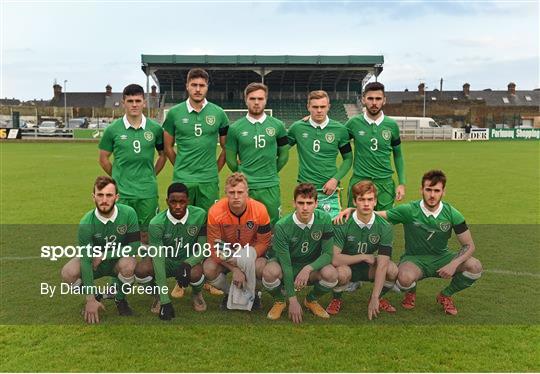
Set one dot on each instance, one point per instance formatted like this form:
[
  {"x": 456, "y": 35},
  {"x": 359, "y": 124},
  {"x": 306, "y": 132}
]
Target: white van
[{"x": 415, "y": 122}]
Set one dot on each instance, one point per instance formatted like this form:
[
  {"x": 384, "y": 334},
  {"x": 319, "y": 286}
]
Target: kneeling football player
[
  {"x": 106, "y": 227},
  {"x": 236, "y": 221},
  {"x": 355, "y": 243},
  {"x": 301, "y": 255},
  {"x": 177, "y": 235}
]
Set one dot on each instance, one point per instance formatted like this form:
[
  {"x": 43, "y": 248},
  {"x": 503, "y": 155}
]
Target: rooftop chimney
[
  {"x": 466, "y": 89},
  {"x": 108, "y": 90},
  {"x": 511, "y": 88},
  {"x": 154, "y": 91},
  {"x": 421, "y": 88},
  {"x": 57, "y": 90}
]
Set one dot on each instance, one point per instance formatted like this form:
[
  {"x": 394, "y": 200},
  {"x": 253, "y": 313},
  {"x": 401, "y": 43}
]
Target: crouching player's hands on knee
[
  {"x": 302, "y": 278},
  {"x": 295, "y": 310},
  {"x": 91, "y": 310},
  {"x": 239, "y": 278},
  {"x": 166, "y": 312}
]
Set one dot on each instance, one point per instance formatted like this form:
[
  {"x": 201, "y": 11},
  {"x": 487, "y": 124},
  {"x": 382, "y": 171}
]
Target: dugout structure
[{"x": 289, "y": 78}]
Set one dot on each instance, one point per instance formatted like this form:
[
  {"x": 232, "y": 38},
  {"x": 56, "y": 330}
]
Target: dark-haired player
[
  {"x": 376, "y": 139},
  {"x": 133, "y": 141},
  {"x": 177, "y": 236}
]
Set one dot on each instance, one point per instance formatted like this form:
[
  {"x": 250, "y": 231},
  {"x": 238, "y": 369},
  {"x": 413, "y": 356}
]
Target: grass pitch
[{"x": 46, "y": 188}]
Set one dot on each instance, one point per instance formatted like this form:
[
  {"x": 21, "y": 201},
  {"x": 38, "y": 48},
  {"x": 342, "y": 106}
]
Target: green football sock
[
  {"x": 459, "y": 282},
  {"x": 385, "y": 290},
  {"x": 317, "y": 291},
  {"x": 198, "y": 286},
  {"x": 337, "y": 295},
  {"x": 119, "y": 293},
  {"x": 274, "y": 289}
]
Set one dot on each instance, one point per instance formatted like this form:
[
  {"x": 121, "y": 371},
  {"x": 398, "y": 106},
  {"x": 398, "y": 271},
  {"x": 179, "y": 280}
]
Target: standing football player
[
  {"x": 195, "y": 125},
  {"x": 319, "y": 139},
  {"x": 133, "y": 140},
  {"x": 376, "y": 138},
  {"x": 257, "y": 146}
]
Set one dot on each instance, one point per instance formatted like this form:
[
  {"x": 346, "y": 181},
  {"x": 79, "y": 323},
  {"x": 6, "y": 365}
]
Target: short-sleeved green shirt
[
  {"x": 256, "y": 145},
  {"x": 196, "y": 135},
  {"x": 133, "y": 151},
  {"x": 426, "y": 234},
  {"x": 317, "y": 150},
  {"x": 373, "y": 146},
  {"x": 122, "y": 229},
  {"x": 353, "y": 237},
  {"x": 294, "y": 244}
]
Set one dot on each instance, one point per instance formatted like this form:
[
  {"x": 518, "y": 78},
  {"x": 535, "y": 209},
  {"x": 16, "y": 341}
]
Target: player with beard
[
  {"x": 108, "y": 225},
  {"x": 257, "y": 146},
  {"x": 196, "y": 125},
  {"x": 376, "y": 137},
  {"x": 428, "y": 224}
]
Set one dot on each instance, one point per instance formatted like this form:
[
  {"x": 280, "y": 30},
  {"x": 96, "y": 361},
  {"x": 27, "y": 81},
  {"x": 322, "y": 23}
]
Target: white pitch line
[
  {"x": 514, "y": 273},
  {"x": 494, "y": 271},
  {"x": 19, "y": 258}
]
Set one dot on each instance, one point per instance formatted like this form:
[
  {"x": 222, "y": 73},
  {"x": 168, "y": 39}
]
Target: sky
[{"x": 94, "y": 43}]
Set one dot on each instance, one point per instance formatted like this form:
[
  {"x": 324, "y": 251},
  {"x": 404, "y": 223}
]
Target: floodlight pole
[{"x": 65, "y": 103}]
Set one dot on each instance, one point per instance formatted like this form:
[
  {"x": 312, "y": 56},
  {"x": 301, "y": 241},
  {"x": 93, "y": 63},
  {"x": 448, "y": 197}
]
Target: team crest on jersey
[
  {"x": 326, "y": 207},
  {"x": 185, "y": 121},
  {"x": 386, "y": 134},
  {"x": 374, "y": 238},
  {"x": 305, "y": 135},
  {"x": 316, "y": 235},
  {"x": 330, "y": 137},
  {"x": 445, "y": 226},
  {"x": 210, "y": 120},
  {"x": 250, "y": 225},
  {"x": 192, "y": 230},
  {"x": 122, "y": 229},
  {"x": 148, "y": 135},
  {"x": 271, "y": 131},
  {"x": 123, "y": 137},
  {"x": 245, "y": 133}
]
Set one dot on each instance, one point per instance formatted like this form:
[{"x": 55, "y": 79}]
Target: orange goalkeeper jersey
[{"x": 252, "y": 227}]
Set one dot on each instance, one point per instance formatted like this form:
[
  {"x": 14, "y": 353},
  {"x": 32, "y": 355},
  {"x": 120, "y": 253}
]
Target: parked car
[
  {"x": 77, "y": 123},
  {"x": 47, "y": 128}
]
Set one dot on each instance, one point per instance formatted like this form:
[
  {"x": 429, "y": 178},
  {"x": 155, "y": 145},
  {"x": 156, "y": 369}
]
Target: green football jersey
[
  {"x": 317, "y": 150},
  {"x": 426, "y": 234},
  {"x": 133, "y": 151},
  {"x": 373, "y": 146},
  {"x": 180, "y": 236},
  {"x": 256, "y": 146},
  {"x": 196, "y": 135},
  {"x": 121, "y": 229},
  {"x": 297, "y": 244},
  {"x": 353, "y": 237}
]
